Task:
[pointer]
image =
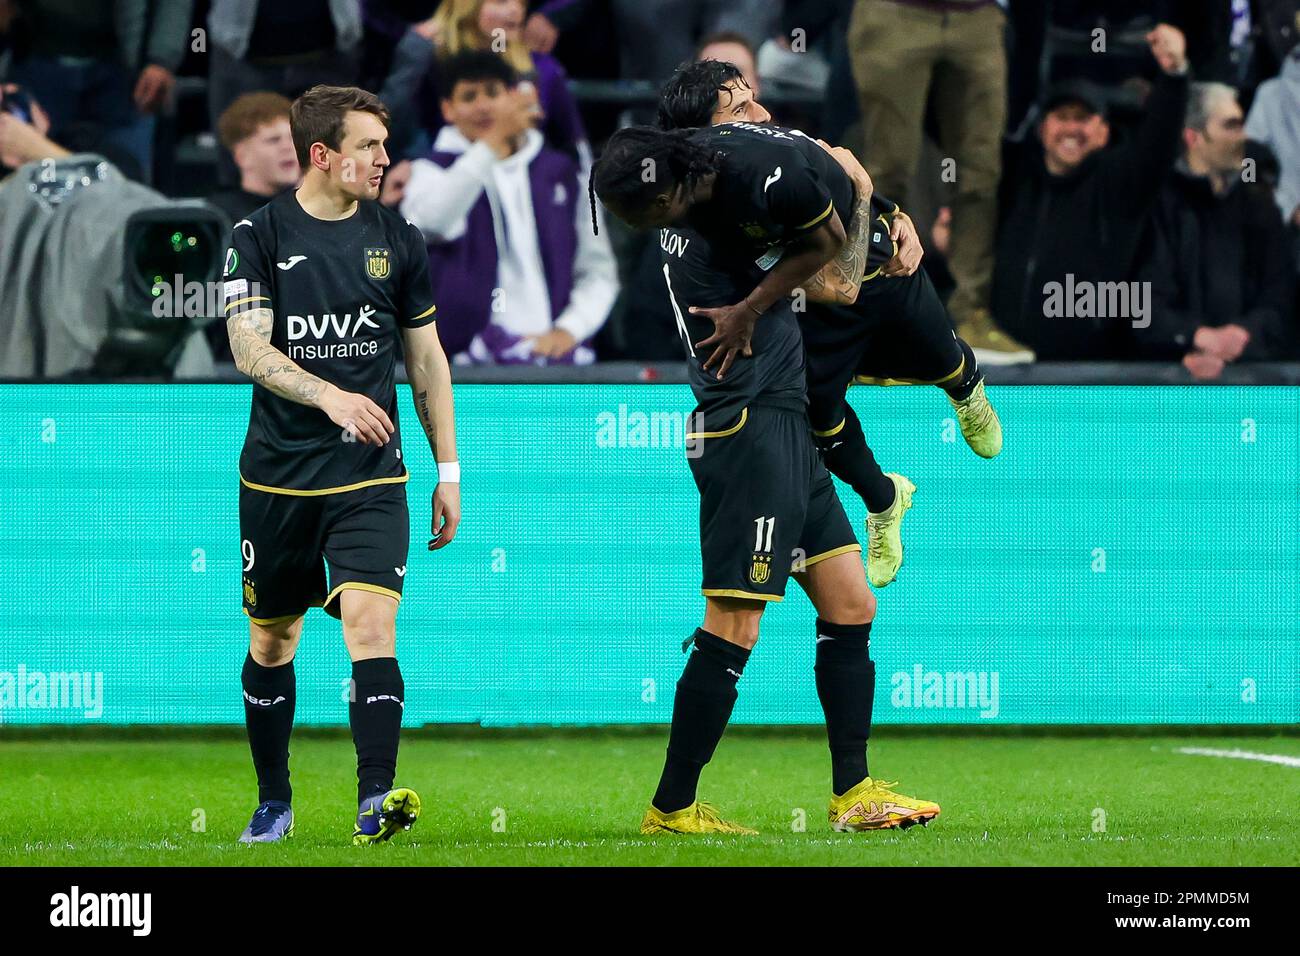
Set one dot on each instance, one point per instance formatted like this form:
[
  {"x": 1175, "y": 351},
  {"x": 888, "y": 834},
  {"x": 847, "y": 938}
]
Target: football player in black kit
[
  {"x": 768, "y": 507},
  {"x": 324, "y": 289},
  {"x": 896, "y": 331}
]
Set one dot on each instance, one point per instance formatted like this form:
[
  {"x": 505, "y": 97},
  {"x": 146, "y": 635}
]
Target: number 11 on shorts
[{"x": 762, "y": 540}]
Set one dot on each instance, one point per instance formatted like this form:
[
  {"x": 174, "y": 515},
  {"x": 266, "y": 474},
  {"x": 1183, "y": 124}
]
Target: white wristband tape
[{"x": 449, "y": 471}]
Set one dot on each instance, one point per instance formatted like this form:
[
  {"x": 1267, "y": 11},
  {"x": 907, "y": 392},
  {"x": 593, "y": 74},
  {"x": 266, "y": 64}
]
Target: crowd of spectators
[{"x": 1094, "y": 180}]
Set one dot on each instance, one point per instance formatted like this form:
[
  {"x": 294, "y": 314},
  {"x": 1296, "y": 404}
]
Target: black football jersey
[
  {"x": 776, "y": 185},
  {"x": 340, "y": 291},
  {"x": 697, "y": 275}
]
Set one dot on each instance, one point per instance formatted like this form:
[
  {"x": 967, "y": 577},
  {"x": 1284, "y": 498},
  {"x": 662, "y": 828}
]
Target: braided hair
[{"x": 669, "y": 158}]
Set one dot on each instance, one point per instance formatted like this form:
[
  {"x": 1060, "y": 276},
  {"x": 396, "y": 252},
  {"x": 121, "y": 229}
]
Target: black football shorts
[
  {"x": 767, "y": 503},
  {"x": 897, "y": 333},
  {"x": 289, "y": 542}
]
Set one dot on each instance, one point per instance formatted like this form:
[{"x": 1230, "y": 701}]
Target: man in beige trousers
[{"x": 904, "y": 51}]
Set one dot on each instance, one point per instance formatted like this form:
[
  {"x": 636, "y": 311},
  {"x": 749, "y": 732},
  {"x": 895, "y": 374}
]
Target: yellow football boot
[
  {"x": 884, "y": 534},
  {"x": 979, "y": 422},
  {"x": 699, "y": 817},
  {"x": 385, "y": 814},
  {"x": 871, "y": 805}
]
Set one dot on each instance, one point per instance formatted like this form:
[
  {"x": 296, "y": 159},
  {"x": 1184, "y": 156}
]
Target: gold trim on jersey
[
  {"x": 429, "y": 311},
  {"x": 832, "y": 553},
  {"x": 362, "y": 586},
  {"x": 247, "y": 298},
  {"x": 744, "y": 416},
  {"x": 872, "y": 380},
  {"x": 308, "y": 493},
  {"x": 834, "y": 431},
  {"x": 733, "y": 593},
  {"x": 812, "y": 222},
  {"x": 888, "y": 226}
]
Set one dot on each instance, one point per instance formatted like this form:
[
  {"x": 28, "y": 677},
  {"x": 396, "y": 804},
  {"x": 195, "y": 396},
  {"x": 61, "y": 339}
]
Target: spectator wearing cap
[
  {"x": 517, "y": 272},
  {"x": 255, "y": 130},
  {"x": 1220, "y": 268},
  {"x": 102, "y": 70},
  {"x": 1075, "y": 207}
]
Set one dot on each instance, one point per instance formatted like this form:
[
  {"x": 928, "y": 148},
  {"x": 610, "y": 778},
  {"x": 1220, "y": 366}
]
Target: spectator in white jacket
[{"x": 518, "y": 275}]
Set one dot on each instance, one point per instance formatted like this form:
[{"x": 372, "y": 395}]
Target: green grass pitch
[{"x": 576, "y": 798}]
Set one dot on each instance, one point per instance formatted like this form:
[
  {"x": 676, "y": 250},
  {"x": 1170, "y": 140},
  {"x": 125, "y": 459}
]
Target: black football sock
[
  {"x": 846, "y": 687},
  {"x": 375, "y": 714},
  {"x": 269, "y": 697},
  {"x": 970, "y": 374},
  {"x": 849, "y": 459},
  {"x": 706, "y": 692}
]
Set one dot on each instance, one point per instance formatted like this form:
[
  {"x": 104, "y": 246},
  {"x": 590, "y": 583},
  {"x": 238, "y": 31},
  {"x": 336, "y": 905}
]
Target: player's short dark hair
[
  {"x": 473, "y": 66},
  {"x": 690, "y": 97},
  {"x": 319, "y": 114},
  {"x": 249, "y": 113},
  {"x": 618, "y": 176}
]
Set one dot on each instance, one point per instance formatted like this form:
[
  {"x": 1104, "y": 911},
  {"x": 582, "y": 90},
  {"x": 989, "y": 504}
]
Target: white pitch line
[{"x": 1241, "y": 755}]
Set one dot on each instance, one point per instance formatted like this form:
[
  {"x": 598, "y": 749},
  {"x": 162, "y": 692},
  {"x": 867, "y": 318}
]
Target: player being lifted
[
  {"x": 323, "y": 287},
  {"x": 766, "y": 499},
  {"x": 895, "y": 330}
]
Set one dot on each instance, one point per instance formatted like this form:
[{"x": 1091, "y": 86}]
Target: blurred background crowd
[{"x": 1037, "y": 144}]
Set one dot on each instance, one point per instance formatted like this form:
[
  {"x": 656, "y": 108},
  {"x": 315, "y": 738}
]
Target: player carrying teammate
[
  {"x": 768, "y": 507},
  {"x": 324, "y": 287},
  {"x": 895, "y": 331}
]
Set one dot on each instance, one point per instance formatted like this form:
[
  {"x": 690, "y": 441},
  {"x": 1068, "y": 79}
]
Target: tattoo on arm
[
  {"x": 430, "y": 376},
  {"x": 256, "y": 357},
  {"x": 839, "y": 279},
  {"x": 426, "y": 419}
]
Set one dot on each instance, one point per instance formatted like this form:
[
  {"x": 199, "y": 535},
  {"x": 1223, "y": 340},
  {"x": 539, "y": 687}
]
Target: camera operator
[{"x": 71, "y": 301}]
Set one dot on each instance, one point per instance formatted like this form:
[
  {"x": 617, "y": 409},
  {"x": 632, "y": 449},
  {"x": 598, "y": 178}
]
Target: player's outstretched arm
[
  {"x": 256, "y": 357},
  {"x": 430, "y": 374}
]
